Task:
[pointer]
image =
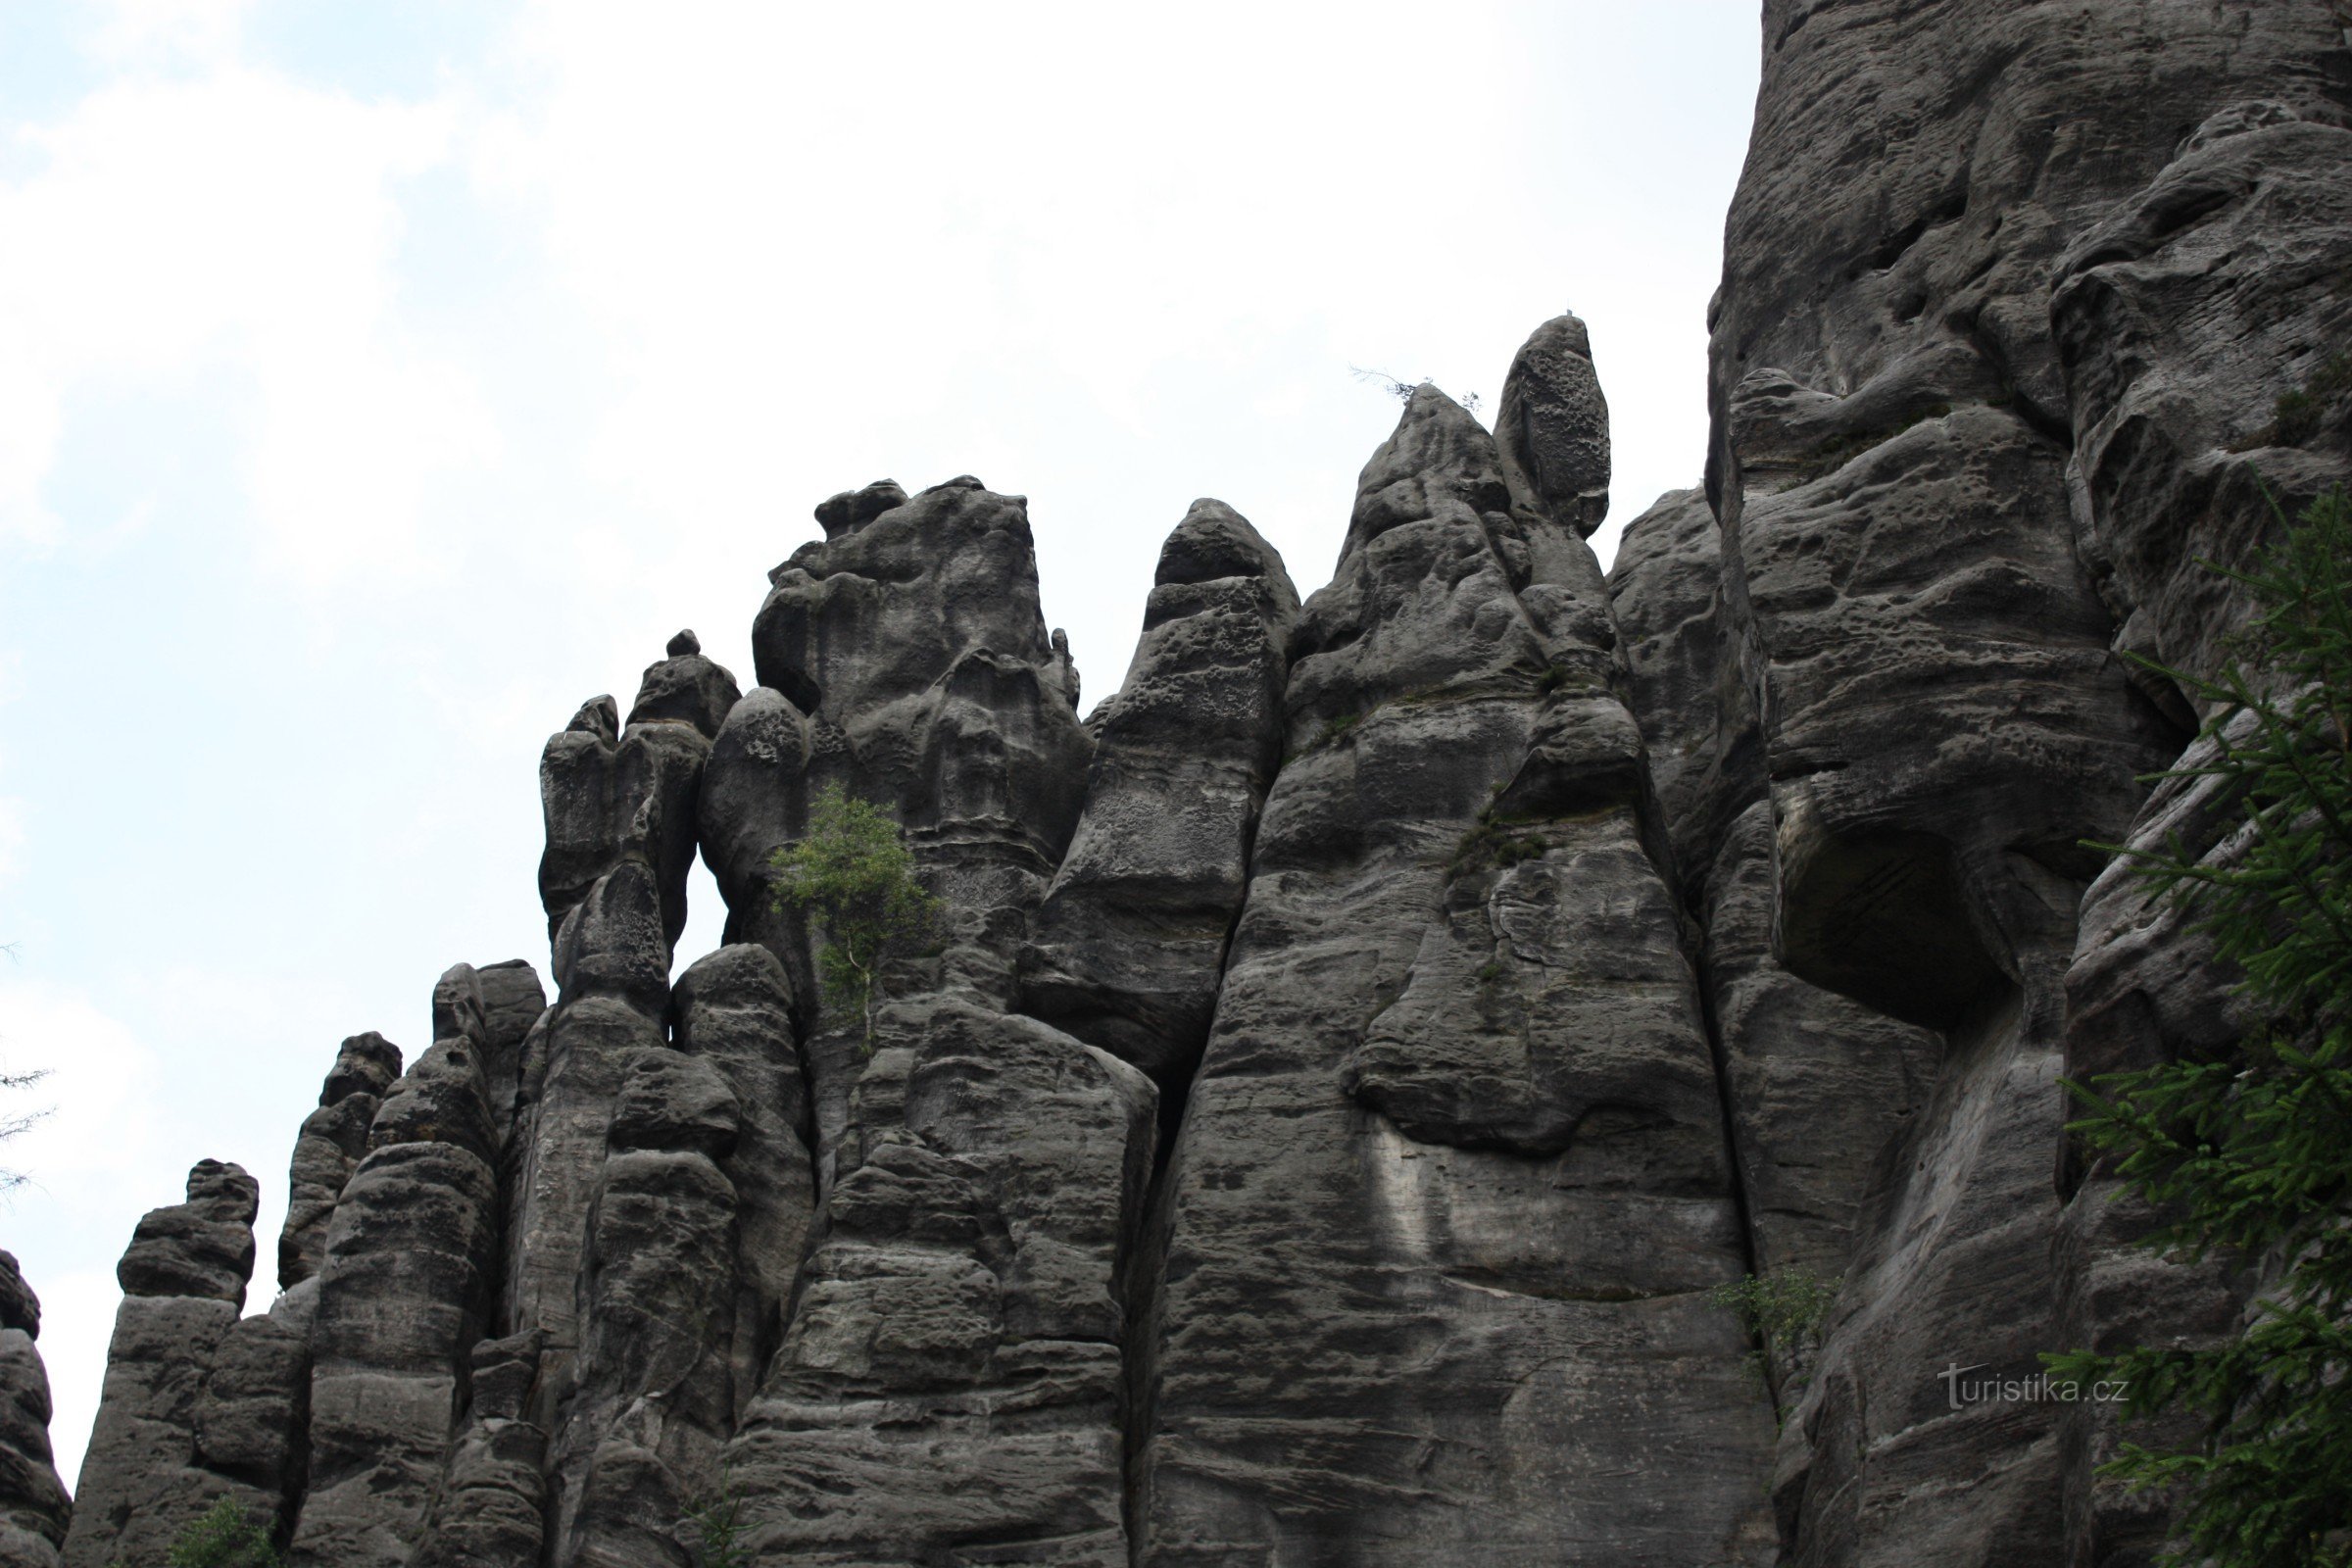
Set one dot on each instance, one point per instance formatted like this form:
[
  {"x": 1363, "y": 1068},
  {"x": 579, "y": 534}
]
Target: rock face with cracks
[
  {"x": 1350, "y": 1062},
  {"x": 1128, "y": 946},
  {"x": 34, "y": 1510}
]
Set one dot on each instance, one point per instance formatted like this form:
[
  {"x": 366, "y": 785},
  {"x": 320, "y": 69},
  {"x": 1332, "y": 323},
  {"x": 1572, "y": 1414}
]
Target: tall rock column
[
  {"x": 34, "y": 1510},
  {"x": 631, "y": 1316},
  {"x": 1940, "y": 514},
  {"x": 1128, "y": 946},
  {"x": 404, "y": 1294},
  {"x": 904, "y": 658},
  {"x": 699, "y": 1226},
  {"x": 329, "y": 1149},
  {"x": 1450, "y": 1192},
  {"x": 952, "y": 1374},
  {"x": 144, "y": 1477},
  {"x": 621, "y": 837}
]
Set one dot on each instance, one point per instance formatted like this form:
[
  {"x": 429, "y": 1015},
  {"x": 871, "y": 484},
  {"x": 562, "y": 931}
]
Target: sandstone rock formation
[
  {"x": 1457, "y": 1045},
  {"x": 34, "y": 1510},
  {"x": 184, "y": 1374},
  {"x": 1128, "y": 946},
  {"x": 1995, "y": 338},
  {"x": 1352, "y": 1061}
]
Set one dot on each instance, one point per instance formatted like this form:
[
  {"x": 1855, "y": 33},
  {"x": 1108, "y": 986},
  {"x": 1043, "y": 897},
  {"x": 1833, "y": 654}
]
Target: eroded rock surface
[
  {"x": 178, "y": 1356},
  {"x": 1346, "y": 1066},
  {"x": 1398, "y": 1070},
  {"x": 34, "y": 1510},
  {"x": 405, "y": 1292},
  {"x": 329, "y": 1149},
  {"x": 1992, "y": 314},
  {"x": 1128, "y": 947}
]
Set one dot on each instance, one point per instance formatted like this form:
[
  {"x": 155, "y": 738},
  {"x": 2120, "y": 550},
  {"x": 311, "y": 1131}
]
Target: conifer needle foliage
[
  {"x": 227, "y": 1536},
  {"x": 2250, "y": 1157},
  {"x": 854, "y": 877}
]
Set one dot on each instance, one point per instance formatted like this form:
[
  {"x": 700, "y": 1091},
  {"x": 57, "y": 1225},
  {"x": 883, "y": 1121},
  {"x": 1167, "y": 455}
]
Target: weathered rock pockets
[{"x": 1356, "y": 1052}]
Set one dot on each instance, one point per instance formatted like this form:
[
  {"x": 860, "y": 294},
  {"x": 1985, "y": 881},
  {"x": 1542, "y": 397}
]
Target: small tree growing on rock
[
  {"x": 2249, "y": 1154},
  {"x": 854, "y": 876},
  {"x": 227, "y": 1536}
]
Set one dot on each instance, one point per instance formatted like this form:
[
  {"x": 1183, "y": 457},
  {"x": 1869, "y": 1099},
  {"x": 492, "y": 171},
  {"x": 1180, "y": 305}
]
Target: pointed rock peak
[
  {"x": 1553, "y": 426},
  {"x": 366, "y": 1064},
  {"x": 1061, "y": 669},
  {"x": 457, "y": 1004},
  {"x": 1216, "y": 540},
  {"x": 599, "y": 716},
  {"x": 1440, "y": 463},
  {"x": 684, "y": 643},
  {"x": 852, "y": 510}
]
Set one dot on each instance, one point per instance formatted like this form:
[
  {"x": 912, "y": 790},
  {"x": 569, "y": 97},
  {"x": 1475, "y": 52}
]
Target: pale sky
[{"x": 378, "y": 381}]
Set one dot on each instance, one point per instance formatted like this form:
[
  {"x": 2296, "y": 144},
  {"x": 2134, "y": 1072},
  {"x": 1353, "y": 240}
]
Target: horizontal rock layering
[{"x": 1354, "y": 1057}]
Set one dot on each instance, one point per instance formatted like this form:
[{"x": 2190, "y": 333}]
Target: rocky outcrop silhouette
[
  {"x": 34, "y": 1510},
  {"x": 1127, "y": 948},
  {"x": 1349, "y": 1064}
]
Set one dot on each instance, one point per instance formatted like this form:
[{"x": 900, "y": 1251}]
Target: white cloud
[
  {"x": 99, "y": 1091},
  {"x": 77, "y": 1320},
  {"x": 232, "y": 239}
]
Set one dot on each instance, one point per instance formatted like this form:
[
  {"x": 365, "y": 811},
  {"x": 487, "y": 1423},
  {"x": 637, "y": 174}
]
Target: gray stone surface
[
  {"x": 405, "y": 1292},
  {"x": 952, "y": 1374},
  {"x": 1513, "y": 1233},
  {"x": 329, "y": 1149},
  {"x": 34, "y": 1510},
  {"x": 491, "y": 1510},
  {"x": 913, "y": 635},
  {"x": 686, "y": 687},
  {"x": 734, "y": 1014},
  {"x": 178, "y": 1362},
  {"x": 1999, "y": 295},
  {"x": 2182, "y": 319},
  {"x": 202, "y": 1248},
  {"x": 1552, "y": 427},
  {"x": 1351, "y": 1060},
  {"x": 1126, "y": 951}
]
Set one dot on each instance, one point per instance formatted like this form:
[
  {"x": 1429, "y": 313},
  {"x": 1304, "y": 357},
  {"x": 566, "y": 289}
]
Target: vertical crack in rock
[
  {"x": 1128, "y": 949},
  {"x": 1818, "y": 1087},
  {"x": 1457, "y": 1046}
]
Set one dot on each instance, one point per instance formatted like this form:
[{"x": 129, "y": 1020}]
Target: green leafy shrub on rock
[
  {"x": 854, "y": 877},
  {"x": 1786, "y": 1309},
  {"x": 229, "y": 1536}
]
